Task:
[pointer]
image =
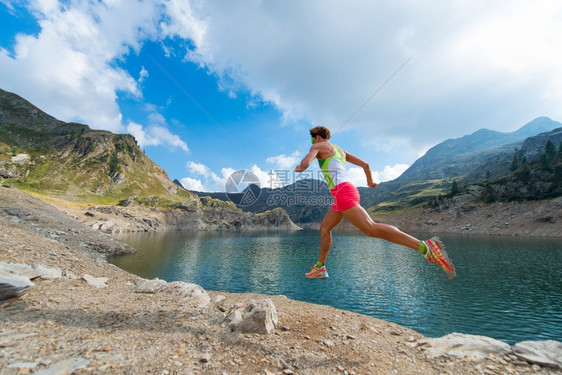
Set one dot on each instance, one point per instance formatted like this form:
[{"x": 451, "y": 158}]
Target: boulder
[
  {"x": 21, "y": 159},
  {"x": 190, "y": 291},
  {"x": 16, "y": 215},
  {"x": 463, "y": 345},
  {"x": 258, "y": 317},
  {"x": 13, "y": 286},
  {"x": 150, "y": 286},
  {"x": 19, "y": 269},
  {"x": 544, "y": 353},
  {"x": 98, "y": 282},
  {"x": 217, "y": 300},
  {"x": 67, "y": 366},
  {"x": 47, "y": 272}
]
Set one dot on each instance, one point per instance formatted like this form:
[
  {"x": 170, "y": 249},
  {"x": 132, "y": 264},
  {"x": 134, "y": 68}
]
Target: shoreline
[
  {"x": 100, "y": 324},
  {"x": 513, "y": 219}
]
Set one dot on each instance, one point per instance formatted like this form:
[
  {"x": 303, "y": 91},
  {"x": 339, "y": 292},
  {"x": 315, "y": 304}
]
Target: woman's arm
[
  {"x": 363, "y": 164},
  {"x": 305, "y": 162}
]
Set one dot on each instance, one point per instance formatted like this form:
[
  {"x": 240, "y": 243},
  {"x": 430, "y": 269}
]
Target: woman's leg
[
  {"x": 330, "y": 221},
  {"x": 436, "y": 254},
  {"x": 361, "y": 219}
]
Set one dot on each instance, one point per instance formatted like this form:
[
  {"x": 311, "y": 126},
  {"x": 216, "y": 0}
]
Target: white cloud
[
  {"x": 268, "y": 179},
  {"x": 206, "y": 180},
  {"x": 211, "y": 181},
  {"x": 155, "y": 135},
  {"x": 476, "y": 64},
  {"x": 284, "y": 161},
  {"x": 192, "y": 184},
  {"x": 8, "y": 5},
  {"x": 143, "y": 74},
  {"x": 182, "y": 22},
  {"x": 69, "y": 68},
  {"x": 389, "y": 173},
  {"x": 164, "y": 136},
  {"x": 198, "y": 169},
  {"x": 357, "y": 175}
]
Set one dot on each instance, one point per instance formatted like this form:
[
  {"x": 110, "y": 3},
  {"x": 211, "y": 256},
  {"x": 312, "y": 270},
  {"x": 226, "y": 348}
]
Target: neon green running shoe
[
  {"x": 317, "y": 273},
  {"x": 438, "y": 255}
]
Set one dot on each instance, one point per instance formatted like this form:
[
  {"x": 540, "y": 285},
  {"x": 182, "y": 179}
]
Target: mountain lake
[{"x": 508, "y": 288}]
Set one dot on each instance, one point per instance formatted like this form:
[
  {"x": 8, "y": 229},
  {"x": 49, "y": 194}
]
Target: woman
[{"x": 332, "y": 160}]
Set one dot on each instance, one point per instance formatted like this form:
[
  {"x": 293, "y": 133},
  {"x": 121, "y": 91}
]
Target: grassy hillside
[
  {"x": 74, "y": 162},
  {"x": 537, "y": 179}
]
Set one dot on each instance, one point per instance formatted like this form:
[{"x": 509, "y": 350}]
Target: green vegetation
[
  {"x": 411, "y": 195},
  {"x": 454, "y": 188},
  {"x": 539, "y": 178},
  {"x": 550, "y": 149},
  {"x": 75, "y": 163},
  {"x": 515, "y": 163},
  {"x": 113, "y": 164},
  {"x": 535, "y": 180}
]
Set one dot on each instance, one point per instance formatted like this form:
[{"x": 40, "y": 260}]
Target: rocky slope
[
  {"x": 86, "y": 316},
  {"x": 531, "y": 218},
  {"x": 192, "y": 214},
  {"x": 72, "y": 161}
]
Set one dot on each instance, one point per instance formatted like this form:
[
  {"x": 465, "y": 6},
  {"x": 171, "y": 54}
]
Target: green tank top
[{"x": 333, "y": 168}]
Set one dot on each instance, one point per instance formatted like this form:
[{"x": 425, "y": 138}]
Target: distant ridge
[
  {"x": 483, "y": 155},
  {"x": 456, "y": 157}
]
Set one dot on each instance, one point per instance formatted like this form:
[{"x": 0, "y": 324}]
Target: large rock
[
  {"x": 258, "y": 317},
  {"x": 150, "y": 286},
  {"x": 463, "y": 345},
  {"x": 21, "y": 159},
  {"x": 545, "y": 353},
  {"x": 98, "y": 282},
  {"x": 190, "y": 291},
  {"x": 67, "y": 366},
  {"x": 16, "y": 215},
  {"x": 31, "y": 271},
  {"x": 13, "y": 286}
]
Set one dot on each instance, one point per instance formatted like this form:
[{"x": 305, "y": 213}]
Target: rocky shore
[
  {"x": 85, "y": 316},
  {"x": 195, "y": 214},
  {"x": 530, "y": 218}
]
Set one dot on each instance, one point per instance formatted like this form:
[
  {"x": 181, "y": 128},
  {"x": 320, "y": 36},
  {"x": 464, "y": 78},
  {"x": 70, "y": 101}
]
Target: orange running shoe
[
  {"x": 317, "y": 273},
  {"x": 437, "y": 254}
]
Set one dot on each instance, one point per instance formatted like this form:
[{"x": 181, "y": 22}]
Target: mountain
[
  {"x": 306, "y": 201},
  {"x": 456, "y": 157},
  {"x": 485, "y": 155},
  {"x": 482, "y": 155},
  {"x": 533, "y": 147},
  {"x": 73, "y": 161},
  {"x": 501, "y": 165}
]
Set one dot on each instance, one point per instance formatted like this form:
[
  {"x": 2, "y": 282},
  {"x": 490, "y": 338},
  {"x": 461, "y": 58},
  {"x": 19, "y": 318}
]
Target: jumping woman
[{"x": 332, "y": 160}]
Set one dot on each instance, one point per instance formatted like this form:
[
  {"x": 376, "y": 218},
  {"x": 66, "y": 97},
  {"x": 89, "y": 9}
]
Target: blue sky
[{"x": 210, "y": 87}]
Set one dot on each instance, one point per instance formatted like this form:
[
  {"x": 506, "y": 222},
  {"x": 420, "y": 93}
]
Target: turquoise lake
[{"x": 506, "y": 288}]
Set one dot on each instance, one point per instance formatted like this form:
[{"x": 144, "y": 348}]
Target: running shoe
[
  {"x": 438, "y": 255},
  {"x": 317, "y": 273}
]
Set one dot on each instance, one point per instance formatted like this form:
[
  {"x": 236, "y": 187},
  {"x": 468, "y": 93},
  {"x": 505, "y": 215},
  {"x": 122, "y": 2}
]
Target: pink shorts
[{"x": 345, "y": 196}]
